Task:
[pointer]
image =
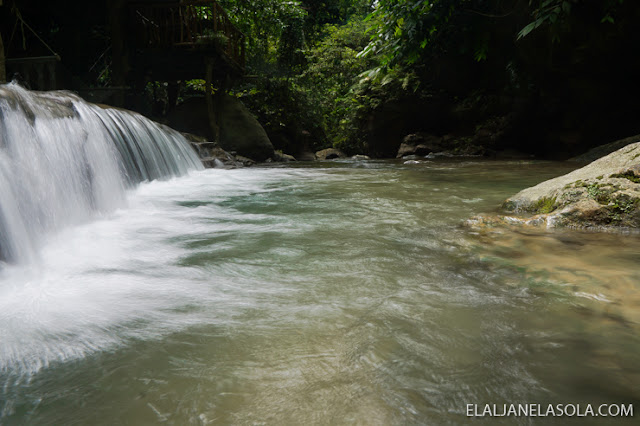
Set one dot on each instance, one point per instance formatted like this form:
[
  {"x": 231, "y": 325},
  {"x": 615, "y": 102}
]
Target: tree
[
  {"x": 265, "y": 24},
  {"x": 555, "y": 13}
]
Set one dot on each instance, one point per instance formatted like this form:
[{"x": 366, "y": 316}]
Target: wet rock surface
[
  {"x": 604, "y": 195},
  {"x": 281, "y": 157},
  {"x": 330, "y": 154}
]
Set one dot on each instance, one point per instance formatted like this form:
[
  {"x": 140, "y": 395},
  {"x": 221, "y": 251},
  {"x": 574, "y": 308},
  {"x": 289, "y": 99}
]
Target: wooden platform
[{"x": 176, "y": 40}]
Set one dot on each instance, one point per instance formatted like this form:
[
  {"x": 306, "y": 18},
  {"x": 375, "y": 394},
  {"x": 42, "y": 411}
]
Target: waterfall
[{"x": 63, "y": 161}]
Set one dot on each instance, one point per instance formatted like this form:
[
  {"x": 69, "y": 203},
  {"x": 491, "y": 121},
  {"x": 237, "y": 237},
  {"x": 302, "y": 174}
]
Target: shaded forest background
[{"x": 549, "y": 78}]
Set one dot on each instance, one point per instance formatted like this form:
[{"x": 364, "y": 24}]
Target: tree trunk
[
  {"x": 211, "y": 109},
  {"x": 3, "y": 70},
  {"x": 117, "y": 10}
]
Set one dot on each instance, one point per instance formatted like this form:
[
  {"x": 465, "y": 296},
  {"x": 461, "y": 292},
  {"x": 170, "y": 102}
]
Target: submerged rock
[
  {"x": 246, "y": 162},
  {"x": 216, "y": 157},
  {"x": 212, "y": 156},
  {"x": 360, "y": 157},
  {"x": 602, "y": 195},
  {"x": 55, "y": 104},
  {"x": 206, "y": 148},
  {"x": 281, "y": 157},
  {"x": 195, "y": 138}
]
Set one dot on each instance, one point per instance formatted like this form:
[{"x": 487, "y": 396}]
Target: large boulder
[
  {"x": 419, "y": 144},
  {"x": 602, "y": 150},
  {"x": 604, "y": 194},
  {"x": 389, "y": 122},
  {"x": 241, "y": 132}
]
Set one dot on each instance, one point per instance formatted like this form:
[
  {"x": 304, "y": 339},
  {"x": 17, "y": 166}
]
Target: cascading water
[
  {"x": 63, "y": 160},
  {"x": 342, "y": 292}
]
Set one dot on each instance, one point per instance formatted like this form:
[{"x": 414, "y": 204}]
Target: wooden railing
[
  {"x": 39, "y": 73},
  {"x": 188, "y": 23}
]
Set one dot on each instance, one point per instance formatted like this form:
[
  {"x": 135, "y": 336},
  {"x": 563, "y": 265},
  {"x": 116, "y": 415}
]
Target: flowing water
[
  {"x": 336, "y": 293},
  {"x": 62, "y": 161}
]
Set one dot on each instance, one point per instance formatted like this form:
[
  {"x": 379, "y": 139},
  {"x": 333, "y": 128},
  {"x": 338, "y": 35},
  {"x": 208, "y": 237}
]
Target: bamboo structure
[{"x": 195, "y": 24}]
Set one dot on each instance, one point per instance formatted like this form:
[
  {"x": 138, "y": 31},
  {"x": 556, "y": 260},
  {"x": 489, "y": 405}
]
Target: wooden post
[
  {"x": 3, "y": 70},
  {"x": 173, "y": 90},
  {"x": 243, "y": 58},
  {"x": 214, "y": 8},
  {"x": 117, "y": 12},
  {"x": 40, "y": 70},
  {"x": 211, "y": 109}
]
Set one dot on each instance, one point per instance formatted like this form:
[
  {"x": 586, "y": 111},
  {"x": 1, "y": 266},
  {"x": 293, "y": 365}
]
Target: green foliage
[
  {"x": 314, "y": 90},
  {"x": 290, "y": 50},
  {"x": 307, "y": 63},
  {"x": 403, "y": 29},
  {"x": 333, "y": 12},
  {"x": 332, "y": 73},
  {"x": 332, "y": 76},
  {"x": 286, "y": 111},
  {"x": 548, "y": 12},
  {"x": 554, "y": 14},
  {"x": 265, "y": 24},
  {"x": 198, "y": 85},
  {"x": 280, "y": 31}
]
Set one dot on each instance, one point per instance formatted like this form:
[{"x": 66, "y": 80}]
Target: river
[{"x": 335, "y": 293}]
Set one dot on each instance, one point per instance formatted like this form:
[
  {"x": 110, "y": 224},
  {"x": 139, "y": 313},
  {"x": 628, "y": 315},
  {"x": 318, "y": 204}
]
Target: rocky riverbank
[{"x": 604, "y": 195}]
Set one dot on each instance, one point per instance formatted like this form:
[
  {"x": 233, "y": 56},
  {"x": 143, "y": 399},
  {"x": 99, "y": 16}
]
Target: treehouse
[
  {"x": 109, "y": 51},
  {"x": 176, "y": 40},
  {"x": 181, "y": 40},
  {"x": 38, "y": 67},
  {"x": 157, "y": 40}
]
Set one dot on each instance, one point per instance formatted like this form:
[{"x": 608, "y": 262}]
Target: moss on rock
[
  {"x": 544, "y": 205},
  {"x": 602, "y": 195},
  {"x": 629, "y": 174}
]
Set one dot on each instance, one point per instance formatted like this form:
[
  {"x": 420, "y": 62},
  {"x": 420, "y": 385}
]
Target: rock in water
[
  {"x": 281, "y": 157},
  {"x": 602, "y": 150},
  {"x": 241, "y": 132},
  {"x": 420, "y": 144},
  {"x": 329, "y": 154},
  {"x": 603, "y": 195}
]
